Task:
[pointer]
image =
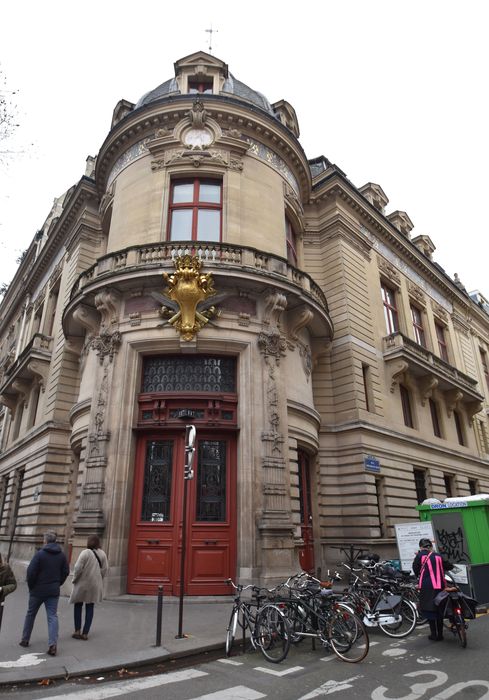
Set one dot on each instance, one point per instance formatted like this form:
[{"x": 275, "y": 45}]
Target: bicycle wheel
[
  {"x": 271, "y": 633},
  {"x": 347, "y": 636},
  {"x": 297, "y": 617},
  {"x": 406, "y": 620},
  {"x": 231, "y": 631},
  {"x": 459, "y": 623}
]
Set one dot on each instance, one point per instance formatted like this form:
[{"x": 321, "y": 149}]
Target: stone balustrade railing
[{"x": 212, "y": 254}]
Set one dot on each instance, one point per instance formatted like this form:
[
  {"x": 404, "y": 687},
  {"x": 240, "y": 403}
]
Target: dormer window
[{"x": 200, "y": 85}]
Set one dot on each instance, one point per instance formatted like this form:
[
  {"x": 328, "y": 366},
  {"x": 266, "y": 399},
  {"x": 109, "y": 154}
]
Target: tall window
[
  {"x": 417, "y": 318},
  {"x": 448, "y": 479},
  {"x": 442, "y": 343},
  {"x": 196, "y": 210},
  {"x": 420, "y": 484},
  {"x": 435, "y": 418},
  {"x": 406, "y": 406},
  {"x": 291, "y": 239},
  {"x": 473, "y": 488},
  {"x": 485, "y": 366},
  {"x": 390, "y": 309},
  {"x": 458, "y": 428},
  {"x": 367, "y": 387},
  {"x": 380, "y": 498}
]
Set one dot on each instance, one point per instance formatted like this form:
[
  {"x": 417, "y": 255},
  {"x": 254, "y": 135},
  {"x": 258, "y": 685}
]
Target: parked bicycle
[
  {"x": 379, "y": 606},
  {"x": 265, "y": 622},
  {"x": 314, "y": 611}
]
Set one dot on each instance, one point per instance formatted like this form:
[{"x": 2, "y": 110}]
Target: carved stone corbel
[
  {"x": 41, "y": 370},
  {"x": 321, "y": 347},
  {"x": 22, "y": 388},
  {"x": 452, "y": 399},
  {"x": 299, "y": 320},
  {"x": 473, "y": 407},
  {"x": 275, "y": 305},
  {"x": 426, "y": 387},
  {"x": 397, "y": 372},
  {"x": 74, "y": 345},
  {"x": 88, "y": 318},
  {"x": 108, "y": 304},
  {"x": 10, "y": 402}
]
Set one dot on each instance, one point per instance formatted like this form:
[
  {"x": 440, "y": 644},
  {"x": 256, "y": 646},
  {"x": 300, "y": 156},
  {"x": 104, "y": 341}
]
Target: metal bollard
[{"x": 159, "y": 616}]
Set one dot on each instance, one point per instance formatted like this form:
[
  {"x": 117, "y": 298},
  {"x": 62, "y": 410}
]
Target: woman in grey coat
[{"x": 90, "y": 570}]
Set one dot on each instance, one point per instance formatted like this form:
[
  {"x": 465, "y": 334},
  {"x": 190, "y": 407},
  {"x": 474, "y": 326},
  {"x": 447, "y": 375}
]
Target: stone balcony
[
  {"x": 31, "y": 365},
  {"x": 231, "y": 266},
  {"x": 406, "y": 358}
]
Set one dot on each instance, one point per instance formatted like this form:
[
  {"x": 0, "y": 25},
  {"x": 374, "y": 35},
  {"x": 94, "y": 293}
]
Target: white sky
[{"x": 392, "y": 91}]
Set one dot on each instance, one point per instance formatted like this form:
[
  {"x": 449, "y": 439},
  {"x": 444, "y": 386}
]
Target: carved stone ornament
[
  {"x": 397, "y": 373},
  {"x": 197, "y": 114},
  {"x": 275, "y": 305},
  {"x": 388, "y": 270},
  {"x": 106, "y": 345},
  {"x": 427, "y": 385},
  {"x": 187, "y": 304},
  {"x": 452, "y": 398},
  {"x": 439, "y": 311},
  {"x": 416, "y": 293},
  {"x": 272, "y": 344},
  {"x": 107, "y": 303}
]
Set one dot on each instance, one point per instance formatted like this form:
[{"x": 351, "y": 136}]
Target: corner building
[{"x": 203, "y": 271}]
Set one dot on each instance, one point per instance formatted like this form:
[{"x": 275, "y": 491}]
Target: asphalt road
[{"x": 410, "y": 669}]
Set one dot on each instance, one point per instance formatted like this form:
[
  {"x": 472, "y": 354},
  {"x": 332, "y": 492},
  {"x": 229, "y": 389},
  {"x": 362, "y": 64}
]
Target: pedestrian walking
[
  {"x": 89, "y": 572},
  {"x": 428, "y": 566},
  {"x": 8, "y": 584},
  {"x": 46, "y": 573}
]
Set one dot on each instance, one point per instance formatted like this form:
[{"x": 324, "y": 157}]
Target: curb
[{"x": 140, "y": 659}]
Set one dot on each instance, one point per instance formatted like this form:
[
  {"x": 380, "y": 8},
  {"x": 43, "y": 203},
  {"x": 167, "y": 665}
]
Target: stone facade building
[{"x": 203, "y": 271}]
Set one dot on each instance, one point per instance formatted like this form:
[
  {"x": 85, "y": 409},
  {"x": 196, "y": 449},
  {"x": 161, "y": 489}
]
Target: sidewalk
[{"x": 123, "y": 634}]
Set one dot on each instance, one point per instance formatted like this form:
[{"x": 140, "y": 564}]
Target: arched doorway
[{"x": 200, "y": 391}]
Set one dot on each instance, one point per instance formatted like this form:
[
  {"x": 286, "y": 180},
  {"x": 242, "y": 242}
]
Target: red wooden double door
[{"x": 155, "y": 543}]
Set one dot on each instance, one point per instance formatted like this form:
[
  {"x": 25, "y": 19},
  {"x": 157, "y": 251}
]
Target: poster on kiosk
[{"x": 408, "y": 536}]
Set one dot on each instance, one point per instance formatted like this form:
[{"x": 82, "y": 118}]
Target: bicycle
[
  {"x": 378, "y": 606},
  {"x": 452, "y": 608},
  {"x": 266, "y": 624},
  {"x": 316, "y": 612}
]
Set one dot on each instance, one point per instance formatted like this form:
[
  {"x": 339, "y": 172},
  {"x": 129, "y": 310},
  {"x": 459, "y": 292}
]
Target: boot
[
  {"x": 434, "y": 631},
  {"x": 439, "y": 630}
]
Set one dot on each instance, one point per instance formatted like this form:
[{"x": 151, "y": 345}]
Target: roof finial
[{"x": 211, "y": 32}]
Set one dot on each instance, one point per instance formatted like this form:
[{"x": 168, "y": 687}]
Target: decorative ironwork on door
[
  {"x": 157, "y": 483},
  {"x": 211, "y": 481}
]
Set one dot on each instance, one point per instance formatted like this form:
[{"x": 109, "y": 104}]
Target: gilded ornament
[{"x": 187, "y": 304}]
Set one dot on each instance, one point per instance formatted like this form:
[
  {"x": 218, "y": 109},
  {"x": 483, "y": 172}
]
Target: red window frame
[
  {"x": 417, "y": 319},
  {"x": 390, "y": 308},
  {"x": 291, "y": 242},
  {"x": 442, "y": 344},
  {"x": 195, "y": 205}
]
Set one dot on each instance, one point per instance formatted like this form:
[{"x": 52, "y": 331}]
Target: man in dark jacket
[{"x": 46, "y": 573}]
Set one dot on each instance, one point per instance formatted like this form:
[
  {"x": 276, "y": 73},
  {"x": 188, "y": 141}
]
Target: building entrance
[
  {"x": 156, "y": 532},
  {"x": 179, "y": 391},
  {"x": 306, "y": 553}
]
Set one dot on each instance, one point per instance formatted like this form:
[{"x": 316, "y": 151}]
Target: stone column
[
  {"x": 275, "y": 525},
  {"x": 90, "y": 518}
]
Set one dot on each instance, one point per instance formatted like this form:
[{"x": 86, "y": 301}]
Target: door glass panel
[
  {"x": 181, "y": 225},
  {"x": 157, "y": 481},
  {"x": 211, "y": 481},
  {"x": 209, "y": 225}
]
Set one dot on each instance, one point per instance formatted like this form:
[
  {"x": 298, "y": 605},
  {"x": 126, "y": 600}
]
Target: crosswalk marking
[
  {"x": 239, "y": 692},
  {"x": 111, "y": 690},
  {"x": 285, "y": 672},
  {"x": 231, "y": 662}
]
